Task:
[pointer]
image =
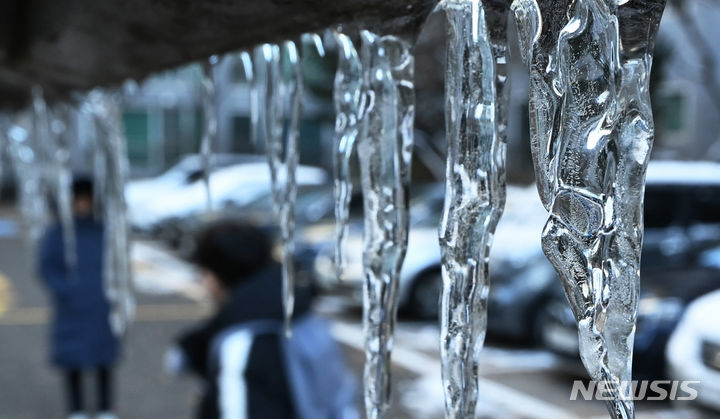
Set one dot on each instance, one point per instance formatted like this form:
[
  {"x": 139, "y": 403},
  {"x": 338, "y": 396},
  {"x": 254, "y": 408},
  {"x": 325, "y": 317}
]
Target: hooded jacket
[{"x": 244, "y": 377}]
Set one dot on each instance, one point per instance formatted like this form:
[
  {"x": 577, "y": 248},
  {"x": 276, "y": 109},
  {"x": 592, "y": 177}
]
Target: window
[{"x": 136, "y": 123}]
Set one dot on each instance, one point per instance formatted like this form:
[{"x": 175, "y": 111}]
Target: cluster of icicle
[
  {"x": 592, "y": 131},
  {"x": 111, "y": 173},
  {"x": 38, "y": 145},
  {"x": 374, "y": 99},
  {"x": 375, "y": 105},
  {"x": 274, "y": 73}
]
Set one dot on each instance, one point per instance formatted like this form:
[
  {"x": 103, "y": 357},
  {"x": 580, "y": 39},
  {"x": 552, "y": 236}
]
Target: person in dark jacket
[
  {"x": 81, "y": 336},
  {"x": 241, "y": 353}
]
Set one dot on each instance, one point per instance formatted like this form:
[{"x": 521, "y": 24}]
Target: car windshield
[
  {"x": 190, "y": 168},
  {"x": 312, "y": 203}
]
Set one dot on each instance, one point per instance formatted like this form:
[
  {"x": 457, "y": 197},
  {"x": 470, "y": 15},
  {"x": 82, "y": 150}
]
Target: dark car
[{"x": 682, "y": 222}]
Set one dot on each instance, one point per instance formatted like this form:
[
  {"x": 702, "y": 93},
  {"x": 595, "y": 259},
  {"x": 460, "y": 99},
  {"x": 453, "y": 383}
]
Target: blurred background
[{"x": 531, "y": 357}]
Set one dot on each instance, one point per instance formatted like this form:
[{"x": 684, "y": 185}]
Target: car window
[
  {"x": 662, "y": 206},
  {"x": 193, "y": 176},
  {"x": 705, "y": 205},
  {"x": 681, "y": 205}
]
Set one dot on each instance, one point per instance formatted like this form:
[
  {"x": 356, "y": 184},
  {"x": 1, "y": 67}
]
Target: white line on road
[{"x": 512, "y": 401}]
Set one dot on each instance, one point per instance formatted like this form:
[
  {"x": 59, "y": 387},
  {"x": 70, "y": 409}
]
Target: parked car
[
  {"x": 693, "y": 352},
  {"x": 186, "y": 171},
  {"x": 235, "y": 185},
  {"x": 520, "y": 274},
  {"x": 526, "y": 300},
  {"x": 314, "y": 202},
  {"x": 314, "y": 206}
]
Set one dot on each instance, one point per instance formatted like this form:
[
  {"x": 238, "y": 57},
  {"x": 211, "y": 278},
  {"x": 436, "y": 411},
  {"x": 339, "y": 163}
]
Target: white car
[
  {"x": 693, "y": 352},
  {"x": 516, "y": 239},
  {"x": 184, "y": 172},
  {"x": 234, "y": 185}
]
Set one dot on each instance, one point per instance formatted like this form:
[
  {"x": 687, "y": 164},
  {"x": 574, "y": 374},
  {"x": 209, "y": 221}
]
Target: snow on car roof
[{"x": 683, "y": 172}]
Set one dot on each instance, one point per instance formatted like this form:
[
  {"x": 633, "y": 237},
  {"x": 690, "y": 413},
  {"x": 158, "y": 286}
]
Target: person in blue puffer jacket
[{"x": 81, "y": 338}]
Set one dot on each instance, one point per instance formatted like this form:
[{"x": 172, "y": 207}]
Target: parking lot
[{"x": 516, "y": 381}]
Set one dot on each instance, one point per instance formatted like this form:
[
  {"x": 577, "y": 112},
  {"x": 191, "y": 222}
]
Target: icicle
[
  {"x": 28, "y": 179},
  {"x": 251, "y": 78},
  {"x": 294, "y": 91},
  {"x": 40, "y": 151},
  {"x": 111, "y": 144},
  {"x": 41, "y": 158},
  {"x": 348, "y": 95},
  {"x": 99, "y": 171},
  {"x": 61, "y": 179},
  {"x": 281, "y": 119},
  {"x": 592, "y": 132},
  {"x": 209, "y": 138},
  {"x": 476, "y": 118},
  {"x": 385, "y": 152},
  {"x": 316, "y": 40}
]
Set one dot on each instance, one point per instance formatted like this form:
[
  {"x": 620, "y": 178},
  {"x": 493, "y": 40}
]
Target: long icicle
[
  {"x": 283, "y": 94},
  {"x": 317, "y": 41},
  {"x": 61, "y": 130},
  {"x": 252, "y": 78},
  {"x": 348, "y": 97},
  {"x": 385, "y": 152},
  {"x": 42, "y": 149},
  {"x": 105, "y": 110},
  {"x": 294, "y": 92},
  {"x": 476, "y": 119},
  {"x": 209, "y": 138},
  {"x": 592, "y": 132},
  {"x": 28, "y": 175}
]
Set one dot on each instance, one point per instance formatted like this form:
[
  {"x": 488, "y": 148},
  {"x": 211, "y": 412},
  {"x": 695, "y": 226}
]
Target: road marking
[
  {"x": 147, "y": 313},
  {"x": 513, "y": 401},
  {"x": 6, "y": 296}
]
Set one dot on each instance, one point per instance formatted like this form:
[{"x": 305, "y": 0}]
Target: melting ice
[
  {"x": 111, "y": 152},
  {"x": 209, "y": 138},
  {"x": 348, "y": 97},
  {"x": 385, "y": 152},
  {"x": 476, "y": 118},
  {"x": 280, "y": 70},
  {"x": 592, "y": 131}
]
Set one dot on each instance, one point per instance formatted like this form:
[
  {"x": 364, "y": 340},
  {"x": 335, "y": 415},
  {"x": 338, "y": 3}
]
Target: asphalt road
[{"x": 515, "y": 383}]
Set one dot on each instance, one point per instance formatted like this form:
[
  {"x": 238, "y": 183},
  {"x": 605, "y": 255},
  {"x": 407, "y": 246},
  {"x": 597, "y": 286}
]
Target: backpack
[{"x": 320, "y": 384}]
